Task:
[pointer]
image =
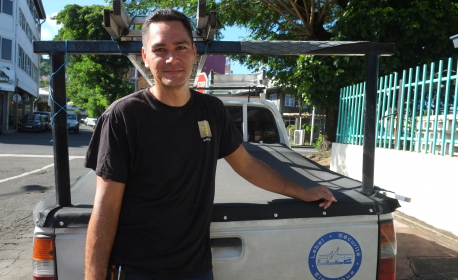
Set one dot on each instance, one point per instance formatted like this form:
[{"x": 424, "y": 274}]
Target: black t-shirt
[{"x": 167, "y": 158}]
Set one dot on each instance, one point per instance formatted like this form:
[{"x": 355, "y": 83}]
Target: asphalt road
[{"x": 26, "y": 177}]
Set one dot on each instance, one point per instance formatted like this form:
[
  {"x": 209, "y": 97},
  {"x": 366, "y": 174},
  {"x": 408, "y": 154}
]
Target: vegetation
[
  {"x": 419, "y": 28},
  {"x": 94, "y": 81}
]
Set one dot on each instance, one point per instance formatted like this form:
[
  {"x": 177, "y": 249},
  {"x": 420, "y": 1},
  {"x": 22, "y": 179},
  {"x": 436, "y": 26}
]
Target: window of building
[
  {"x": 6, "y": 49},
  {"x": 25, "y": 26},
  {"x": 26, "y": 64},
  {"x": 6, "y": 7},
  {"x": 273, "y": 97},
  {"x": 289, "y": 100}
]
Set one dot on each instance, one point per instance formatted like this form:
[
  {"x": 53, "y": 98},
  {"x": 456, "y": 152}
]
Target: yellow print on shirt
[{"x": 204, "y": 128}]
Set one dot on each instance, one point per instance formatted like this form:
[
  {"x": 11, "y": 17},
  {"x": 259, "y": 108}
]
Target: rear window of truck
[{"x": 261, "y": 124}]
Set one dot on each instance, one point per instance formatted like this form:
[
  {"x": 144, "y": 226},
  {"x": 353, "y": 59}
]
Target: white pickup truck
[{"x": 254, "y": 234}]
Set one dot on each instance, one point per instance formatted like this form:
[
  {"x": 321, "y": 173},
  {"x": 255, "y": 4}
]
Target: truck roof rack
[{"x": 128, "y": 41}]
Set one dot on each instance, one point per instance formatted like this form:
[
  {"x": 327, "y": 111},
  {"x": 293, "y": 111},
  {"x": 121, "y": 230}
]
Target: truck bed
[{"x": 238, "y": 200}]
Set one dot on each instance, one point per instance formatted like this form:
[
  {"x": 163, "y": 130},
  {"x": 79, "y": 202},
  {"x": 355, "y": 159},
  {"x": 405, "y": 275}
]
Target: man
[{"x": 155, "y": 188}]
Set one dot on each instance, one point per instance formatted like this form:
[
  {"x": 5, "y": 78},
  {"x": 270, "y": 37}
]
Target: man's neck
[{"x": 175, "y": 97}]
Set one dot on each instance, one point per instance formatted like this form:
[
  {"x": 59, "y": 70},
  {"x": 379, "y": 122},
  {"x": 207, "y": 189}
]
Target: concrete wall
[{"x": 431, "y": 181}]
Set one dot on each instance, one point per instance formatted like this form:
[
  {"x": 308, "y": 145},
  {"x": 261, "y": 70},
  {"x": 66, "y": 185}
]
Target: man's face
[{"x": 169, "y": 54}]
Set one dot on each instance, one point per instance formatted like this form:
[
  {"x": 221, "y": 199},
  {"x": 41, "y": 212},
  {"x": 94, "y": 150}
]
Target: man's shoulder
[{"x": 125, "y": 103}]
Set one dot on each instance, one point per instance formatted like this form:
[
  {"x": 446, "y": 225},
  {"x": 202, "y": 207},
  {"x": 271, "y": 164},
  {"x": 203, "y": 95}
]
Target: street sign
[
  {"x": 202, "y": 82},
  {"x": 17, "y": 98}
]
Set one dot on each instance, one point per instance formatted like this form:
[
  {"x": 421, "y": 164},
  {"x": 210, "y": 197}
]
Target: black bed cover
[{"x": 238, "y": 200}]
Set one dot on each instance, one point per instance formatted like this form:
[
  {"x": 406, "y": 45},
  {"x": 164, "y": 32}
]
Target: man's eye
[
  {"x": 181, "y": 48},
  {"x": 159, "y": 50}
]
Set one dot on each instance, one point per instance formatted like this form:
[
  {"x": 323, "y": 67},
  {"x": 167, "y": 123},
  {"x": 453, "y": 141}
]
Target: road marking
[
  {"x": 35, "y": 171},
  {"x": 37, "y": 156}
]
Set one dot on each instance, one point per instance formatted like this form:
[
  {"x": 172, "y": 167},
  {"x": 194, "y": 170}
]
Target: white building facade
[{"x": 20, "y": 24}]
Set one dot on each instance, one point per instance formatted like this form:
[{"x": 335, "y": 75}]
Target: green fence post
[
  {"x": 344, "y": 130},
  {"x": 387, "y": 114},
  {"x": 430, "y": 96},
  {"x": 406, "y": 124},
  {"x": 358, "y": 115},
  {"x": 436, "y": 108},
  {"x": 455, "y": 105},
  {"x": 447, "y": 94},
  {"x": 393, "y": 106},
  {"x": 362, "y": 115},
  {"x": 383, "y": 113},
  {"x": 350, "y": 116},
  {"x": 401, "y": 112},
  {"x": 422, "y": 104},
  {"x": 379, "y": 104},
  {"x": 414, "y": 108},
  {"x": 354, "y": 115}
]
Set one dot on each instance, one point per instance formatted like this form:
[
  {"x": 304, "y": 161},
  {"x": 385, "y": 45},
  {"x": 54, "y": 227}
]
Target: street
[{"x": 26, "y": 177}]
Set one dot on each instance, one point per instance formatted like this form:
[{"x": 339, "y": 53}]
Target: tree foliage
[
  {"x": 94, "y": 81},
  {"x": 419, "y": 28}
]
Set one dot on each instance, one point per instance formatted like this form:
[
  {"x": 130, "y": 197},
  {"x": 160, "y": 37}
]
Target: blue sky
[{"x": 50, "y": 28}]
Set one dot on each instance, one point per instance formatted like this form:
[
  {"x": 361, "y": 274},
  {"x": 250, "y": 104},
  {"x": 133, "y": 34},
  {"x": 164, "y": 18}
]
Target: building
[
  {"x": 289, "y": 109},
  {"x": 19, "y": 66}
]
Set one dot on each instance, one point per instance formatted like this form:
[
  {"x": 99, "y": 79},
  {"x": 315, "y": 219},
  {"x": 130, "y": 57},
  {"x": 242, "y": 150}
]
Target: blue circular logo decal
[{"x": 335, "y": 256}]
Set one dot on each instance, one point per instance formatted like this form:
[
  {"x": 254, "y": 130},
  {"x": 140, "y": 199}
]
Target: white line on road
[
  {"x": 36, "y": 156},
  {"x": 35, "y": 171}
]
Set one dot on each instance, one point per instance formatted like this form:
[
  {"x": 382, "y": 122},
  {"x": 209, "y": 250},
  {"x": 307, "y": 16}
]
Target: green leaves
[{"x": 94, "y": 82}]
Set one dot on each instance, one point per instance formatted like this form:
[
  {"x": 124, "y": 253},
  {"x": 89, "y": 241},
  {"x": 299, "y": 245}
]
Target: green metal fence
[{"x": 415, "y": 112}]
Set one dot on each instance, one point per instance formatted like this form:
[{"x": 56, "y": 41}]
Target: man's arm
[
  {"x": 102, "y": 228},
  {"x": 261, "y": 175}
]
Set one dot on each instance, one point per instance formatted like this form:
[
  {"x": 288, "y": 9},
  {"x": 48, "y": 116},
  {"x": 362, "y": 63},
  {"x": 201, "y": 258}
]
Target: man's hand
[{"x": 318, "y": 193}]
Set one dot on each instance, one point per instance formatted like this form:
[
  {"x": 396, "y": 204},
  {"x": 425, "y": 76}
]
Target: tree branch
[
  {"x": 323, "y": 12},
  {"x": 299, "y": 15},
  {"x": 307, "y": 14},
  {"x": 275, "y": 8},
  {"x": 249, "y": 11},
  {"x": 286, "y": 7},
  {"x": 312, "y": 12}
]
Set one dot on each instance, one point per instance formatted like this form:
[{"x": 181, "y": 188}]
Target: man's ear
[{"x": 144, "y": 57}]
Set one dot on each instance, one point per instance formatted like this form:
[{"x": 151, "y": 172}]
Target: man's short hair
[{"x": 162, "y": 15}]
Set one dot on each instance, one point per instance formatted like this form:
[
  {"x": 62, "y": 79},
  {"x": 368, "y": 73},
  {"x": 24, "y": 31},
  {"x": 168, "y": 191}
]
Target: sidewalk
[{"x": 423, "y": 251}]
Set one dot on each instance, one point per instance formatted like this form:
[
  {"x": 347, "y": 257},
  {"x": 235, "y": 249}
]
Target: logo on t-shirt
[{"x": 205, "y": 132}]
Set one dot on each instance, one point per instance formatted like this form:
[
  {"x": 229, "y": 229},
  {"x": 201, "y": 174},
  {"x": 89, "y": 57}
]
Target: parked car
[
  {"x": 47, "y": 122},
  {"x": 73, "y": 124},
  {"x": 47, "y": 117},
  {"x": 32, "y": 122},
  {"x": 91, "y": 122},
  {"x": 83, "y": 120},
  {"x": 46, "y": 113}
]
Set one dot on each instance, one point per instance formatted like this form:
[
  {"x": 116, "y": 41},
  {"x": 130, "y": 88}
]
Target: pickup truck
[{"x": 255, "y": 234}]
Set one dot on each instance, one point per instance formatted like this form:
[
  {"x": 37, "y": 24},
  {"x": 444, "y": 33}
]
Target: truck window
[{"x": 261, "y": 124}]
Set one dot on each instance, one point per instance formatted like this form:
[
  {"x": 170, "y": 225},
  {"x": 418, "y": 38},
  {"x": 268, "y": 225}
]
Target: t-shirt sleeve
[
  {"x": 108, "y": 153},
  {"x": 230, "y": 136}
]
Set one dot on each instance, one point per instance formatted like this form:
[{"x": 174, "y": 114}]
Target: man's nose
[{"x": 171, "y": 57}]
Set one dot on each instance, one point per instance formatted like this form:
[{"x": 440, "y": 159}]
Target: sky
[{"x": 49, "y": 29}]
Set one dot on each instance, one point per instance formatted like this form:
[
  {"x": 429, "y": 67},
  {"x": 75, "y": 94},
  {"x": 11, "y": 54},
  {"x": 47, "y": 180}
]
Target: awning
[{"x": 7, "y": 78}]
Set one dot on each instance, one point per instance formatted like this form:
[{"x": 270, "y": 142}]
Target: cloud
[{"x": 49, "y": 28}]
